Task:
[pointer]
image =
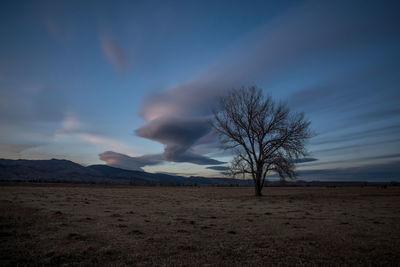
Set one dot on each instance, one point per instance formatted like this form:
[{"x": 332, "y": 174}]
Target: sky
[{"x": 132, "y": 84}]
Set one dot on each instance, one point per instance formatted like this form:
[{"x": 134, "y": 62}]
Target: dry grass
[{"x": 117, "y": 226}]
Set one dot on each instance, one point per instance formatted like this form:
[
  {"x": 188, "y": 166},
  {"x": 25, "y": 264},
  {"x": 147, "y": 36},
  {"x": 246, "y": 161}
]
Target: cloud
[
  {"x": 14, "y": 150},
  {"x": 57, "y": 20},
  {"x": 387, "y": 131},
  {"x": 29, "y": 115},
  {"x": 218, "y": 168},
  {"x": 71, "y": 126},
  {"x": 223, "y": 169},
  {"x": 61, "y": 33},
  {"x": 357, "y": 93},
  {"x": 114, "y": 52},
  {"x": 178, "y": 135},
  {"x": 123, "y": 161},
  {"x": 101, "y": 140},
  {"x": 373, "y": 172},
  {"x": 304, "y": 160},
  {"x": 309, "y": 32},
  {"x": 23, "y": 103},
  {"x": 375, "y": 159},
  {"x": 395, "y": 141}
]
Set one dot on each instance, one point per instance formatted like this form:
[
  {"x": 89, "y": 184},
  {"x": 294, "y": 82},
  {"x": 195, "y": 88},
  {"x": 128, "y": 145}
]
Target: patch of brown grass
[{"x": 121, "y": 226}]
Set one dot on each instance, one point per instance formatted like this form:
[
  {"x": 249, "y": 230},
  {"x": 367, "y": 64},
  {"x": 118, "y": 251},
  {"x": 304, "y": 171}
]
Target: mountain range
[
  {"x": 65, "y": 171},
  {"x": 60, "y": 170}
]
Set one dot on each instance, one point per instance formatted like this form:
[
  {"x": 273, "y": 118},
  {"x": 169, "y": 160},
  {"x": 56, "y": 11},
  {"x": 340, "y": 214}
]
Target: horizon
[
  {"x": 275, "y": 179},
  {"x": 132, "y": 85}
]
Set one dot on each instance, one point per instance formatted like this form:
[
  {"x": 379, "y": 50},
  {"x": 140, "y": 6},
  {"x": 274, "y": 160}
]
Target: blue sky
[{"x": 131, "y": 84}]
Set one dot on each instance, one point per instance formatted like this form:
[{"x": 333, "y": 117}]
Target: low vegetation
[{"x": 188, "y": 226}]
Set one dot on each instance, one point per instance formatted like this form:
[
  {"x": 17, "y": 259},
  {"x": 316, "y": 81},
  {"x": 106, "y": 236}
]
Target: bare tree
[{"x": 264, "y": 135}]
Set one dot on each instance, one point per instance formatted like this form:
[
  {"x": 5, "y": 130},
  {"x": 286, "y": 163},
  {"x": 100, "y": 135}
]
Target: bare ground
[{"x": 122, "y": 225}]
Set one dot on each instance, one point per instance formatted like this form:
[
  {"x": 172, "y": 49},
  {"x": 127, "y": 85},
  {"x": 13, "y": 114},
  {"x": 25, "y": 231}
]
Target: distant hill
[
  {"x": 65, "y": 171},
  {"x": 44, "y": 170},
  {"x": 56, "y": 170}
]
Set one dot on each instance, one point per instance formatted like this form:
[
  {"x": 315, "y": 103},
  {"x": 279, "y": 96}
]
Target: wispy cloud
[
  {"x": 357, "y": 135},
  {"x": 26, "y": 102},
  {"x": 374, "y": 159},
  {"x": 73, "y": 127},
  {"x": 218, "y": 168},
  {"x": 56, "y": 20},
  {"x": 29, "y": 114},
  {"x": 114, "y": 52},
  {"x": 345, "y": 149},
  {"x": 15, "y": 150},
  {"x": 304, "y": 160},
  {"x": 58, "y": 32},
  {"x": 373, "y": 172}
]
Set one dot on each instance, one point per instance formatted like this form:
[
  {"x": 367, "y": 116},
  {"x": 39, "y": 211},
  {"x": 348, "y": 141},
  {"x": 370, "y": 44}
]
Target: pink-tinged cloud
[
  {"x": 123, "y": 161},
  {"x": 114, "y": 52},
  {"x": 73, "y": 127},
  {"x": 15, "y": 150}
]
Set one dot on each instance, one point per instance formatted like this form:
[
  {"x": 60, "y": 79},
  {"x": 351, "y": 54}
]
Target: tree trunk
[
  {"x": 258, "y": 191},
  {"x": 258, "y": 185}
]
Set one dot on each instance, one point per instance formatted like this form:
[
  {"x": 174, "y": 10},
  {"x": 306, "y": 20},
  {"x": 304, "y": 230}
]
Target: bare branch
[{"x": 264, "y": 135}]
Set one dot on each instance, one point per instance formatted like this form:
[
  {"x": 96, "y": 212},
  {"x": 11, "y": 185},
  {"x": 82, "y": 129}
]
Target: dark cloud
[
  {"x": 177, "y": 155},
  {"x": 175, "y": 130},
  {"x": 178, "y": 135},
  {"x": 342, "y": 149},
  {"x": 392, "y": 130},
  {"x": 384, "y": 112},
  {"x": 123, "y": 161},
  {"x": 359, "y": 159},
  {"x": 169, "y": 173},
  {"x": 304, "y": 160},
  {"x": 218, "y": 168},
  {"x": 373, "y": 172}
]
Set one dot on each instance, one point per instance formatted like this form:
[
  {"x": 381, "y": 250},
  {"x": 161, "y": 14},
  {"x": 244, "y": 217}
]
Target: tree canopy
[{"x": 265, "y": 136}]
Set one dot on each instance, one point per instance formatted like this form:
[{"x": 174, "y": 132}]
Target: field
[{"x": 188, "y": 226}]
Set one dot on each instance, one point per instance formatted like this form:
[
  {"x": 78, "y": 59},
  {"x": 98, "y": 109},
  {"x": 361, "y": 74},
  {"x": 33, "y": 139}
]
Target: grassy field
[{"x": 121, "y": 225}]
